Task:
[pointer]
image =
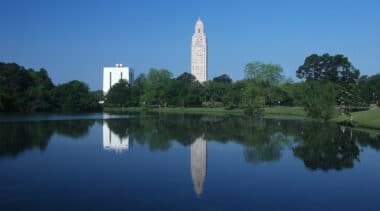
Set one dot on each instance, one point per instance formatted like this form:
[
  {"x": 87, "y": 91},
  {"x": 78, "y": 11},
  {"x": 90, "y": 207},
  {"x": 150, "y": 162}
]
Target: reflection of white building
[
  {"x": 198, "y": 164},
  {"x": 113, "y": 142}
]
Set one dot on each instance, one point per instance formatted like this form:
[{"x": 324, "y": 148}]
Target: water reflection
[
  {"x": 113, "y": 141},
  {"x": 16, "y": 137},
  {"x": 198, "y": 164},
  {"x": 326, "y": 148},
  {"x": 320, "y": 146}
]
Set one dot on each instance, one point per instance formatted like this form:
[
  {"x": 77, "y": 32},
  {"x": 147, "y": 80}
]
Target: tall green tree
[
  {"x": 14, "y": 82},
  {"x": 233, "y": 96},
  {"x": 336, "y": 69},
  {"x": 157, "y": 87},
  {"x": 369, "y": 87},
  {"x": 270, "y": 73},
  {"x": 137, "y": 90},
  {"x": 119, "y": 94},
  {"x": 319, "y": 100},
  {"x": 74, "y": 96},
  {"x": 39, "y": 94}
]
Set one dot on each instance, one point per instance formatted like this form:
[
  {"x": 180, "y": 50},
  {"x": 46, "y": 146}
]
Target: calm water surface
[{"x": 184, "y": 162}]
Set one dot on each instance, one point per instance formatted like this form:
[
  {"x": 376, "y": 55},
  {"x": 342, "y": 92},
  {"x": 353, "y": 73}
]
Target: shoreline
[{"x": 362, "y": 119}]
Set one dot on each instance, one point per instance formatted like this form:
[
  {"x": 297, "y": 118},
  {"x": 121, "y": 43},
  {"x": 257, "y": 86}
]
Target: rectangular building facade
[{"x": 112, "y": 75}]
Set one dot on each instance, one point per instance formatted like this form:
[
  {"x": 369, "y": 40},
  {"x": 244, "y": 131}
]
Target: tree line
[
  {"x": 27, "y": 90},
  {"x": 328, "y": 81}
]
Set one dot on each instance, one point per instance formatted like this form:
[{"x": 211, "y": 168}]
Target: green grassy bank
[
  {"x": 364, "y": 119},
  {"x": 214, "y": 111},
  {"x": 280, "y": 111}
]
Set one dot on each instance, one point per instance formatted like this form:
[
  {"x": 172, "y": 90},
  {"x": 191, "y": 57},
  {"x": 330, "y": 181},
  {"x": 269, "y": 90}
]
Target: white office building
[{"x": 112, "y": 75}]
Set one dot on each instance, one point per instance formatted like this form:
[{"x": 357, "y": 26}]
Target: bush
[
  {"x": 209, "y": 104},
  {"x": 256, "y": 108},
  {"x": 319, "y": 100}
]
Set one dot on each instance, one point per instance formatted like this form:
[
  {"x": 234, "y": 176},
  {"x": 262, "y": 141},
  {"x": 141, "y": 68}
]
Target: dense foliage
[
  {"x": 370, "y": 88},
  {"x": 26, "y": 90},
  {"x": 328, "y": 82},
  {"x": 336, "y": 69},
  {"x": 158, "y": 88},
  {"x": 319, "y": 102}
]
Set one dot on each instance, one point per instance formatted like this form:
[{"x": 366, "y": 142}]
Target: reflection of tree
[
  {"x": 320, "y": 146},
  {"x": 366, "y": 139},
  {"x": 15, "y": 137},
  {"x": 261, "y": 138},
  {"x": 73, "y": 128},
  {"x": 324, "y": 147},
  {"x": 19, "y": 136},
  {"x": 158, "y": 132},
  {"x": 269, "y": 150}
]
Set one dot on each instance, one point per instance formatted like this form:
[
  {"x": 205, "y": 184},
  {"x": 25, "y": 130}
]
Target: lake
[{"x": 184, "y": 162}]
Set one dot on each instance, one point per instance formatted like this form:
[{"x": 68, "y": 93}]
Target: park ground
[{"x": 363, "y": 119}]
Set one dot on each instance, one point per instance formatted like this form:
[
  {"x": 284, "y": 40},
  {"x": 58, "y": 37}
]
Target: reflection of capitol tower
[
  {"x": 198, "y": 164},
  {"x": 112, "y": 141}
]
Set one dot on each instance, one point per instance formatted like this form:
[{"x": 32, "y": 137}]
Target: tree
[
  {"x": 369, "y": 88},
  {"x": 224, "y": 78},
  {"x": 137, "y": 90},
  {"x": 38, "y": 94},
  {"x": 181, "y": 89},
  {"x": 319, "y": 100},
  {"x": 27, "y": 90},
  {"x": 23, "y": 89},
  {"x": 119, "y": 94},
  {"x": 294, "y": 93},
  {"x": 186, "y": 78},
  {"x": 233, "y": 96},
  {"x": 196, "y": 94},
  {"x": 336, "y": 69},
  {"x": 14, "y": 84},
  {"x": 258, "y": 71},
  {"x": 253, "y": 99},
  {"x": 73, "y": 96},
  {"x": 157, "y": 86},
  {"x": 214, "y": 92}
]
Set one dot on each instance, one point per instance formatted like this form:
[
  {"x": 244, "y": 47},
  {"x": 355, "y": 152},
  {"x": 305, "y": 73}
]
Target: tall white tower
[{"x": 199, "y": 52}]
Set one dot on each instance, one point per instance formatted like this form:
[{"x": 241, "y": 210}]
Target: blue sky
[{"x": 74, "y": 39}]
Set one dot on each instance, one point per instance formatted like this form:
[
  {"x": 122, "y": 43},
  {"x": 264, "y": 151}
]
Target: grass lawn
[
  {"x": 216, "y": 111},
  {"x": 270, "y": 111},
  {"x": 364, "y": 119},
  {"x": 285, "y": 110},
  {"x": 370, "y": 118}
]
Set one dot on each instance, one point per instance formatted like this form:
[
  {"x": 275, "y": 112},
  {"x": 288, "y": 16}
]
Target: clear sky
[{"x": 74, "y": 39}]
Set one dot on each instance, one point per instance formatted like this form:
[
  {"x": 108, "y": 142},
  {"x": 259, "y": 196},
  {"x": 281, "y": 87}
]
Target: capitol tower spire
[{"x": 199, "y": 52}]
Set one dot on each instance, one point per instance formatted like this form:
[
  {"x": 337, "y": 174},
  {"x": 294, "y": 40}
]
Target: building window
[{"x": 110, "y": 80}]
